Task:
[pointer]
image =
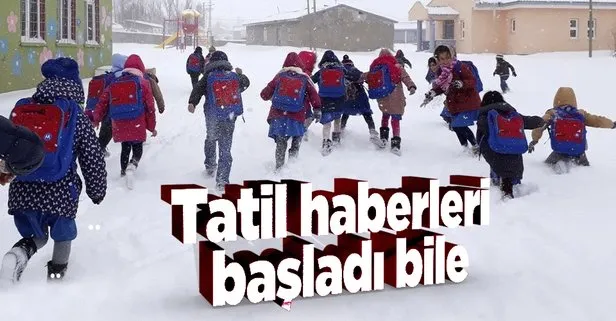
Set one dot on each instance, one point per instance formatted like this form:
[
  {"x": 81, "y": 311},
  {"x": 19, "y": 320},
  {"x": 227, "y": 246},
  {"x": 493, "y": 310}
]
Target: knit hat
[
  {"x": 565, "y": 96},
  {"x": 499, "y": 56},
  {"x": 62, "y": 67},
  {"x": 346, "y": 60},
  {"x": 218, "y": 56},
  {"x": 199, "y": 50}
]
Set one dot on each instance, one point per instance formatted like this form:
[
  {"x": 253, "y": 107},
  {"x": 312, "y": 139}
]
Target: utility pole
[
  {"x": 209, "y": 28},
  {"x": 311, "y": 34},
  {"x": 591, "y": 28}
]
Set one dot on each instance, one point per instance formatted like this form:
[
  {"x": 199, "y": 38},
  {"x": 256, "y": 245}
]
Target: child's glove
[
  {"x": 458, "y": 84},
  {"x": 412, "y": 90},
  {"x": 191, "y": 108},
  {"x": 494, "y": 74},
  {"x": 6, "y": 178},
  {"x": 316, "y": 114},
  {"x": 514, "y": 74},
  {"x": 531, "y": 146},
  {"x": 154, "y": 133},
  {"x": 238, "y": 71},
  {"x": 614, "y": 126}
]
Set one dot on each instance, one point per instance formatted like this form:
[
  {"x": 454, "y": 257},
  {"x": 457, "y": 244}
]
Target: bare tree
[{"x": 171, "y": 7}]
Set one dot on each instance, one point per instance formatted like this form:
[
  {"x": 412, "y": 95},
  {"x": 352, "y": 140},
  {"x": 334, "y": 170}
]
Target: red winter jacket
[
  {"x": 463, "y": 99},
  {"x": 294, "y": 65},
  {"x": 133, "y": 130}
]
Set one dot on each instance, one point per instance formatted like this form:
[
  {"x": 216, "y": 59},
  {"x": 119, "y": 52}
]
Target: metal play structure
[{"x": 186, "y": 30}]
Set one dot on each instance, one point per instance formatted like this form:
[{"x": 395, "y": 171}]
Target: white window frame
[
  {"x": 512, "y": 25},
  {"x": 26, "y": 38},
  {"x": 462, "y": 29},
  {"x": 576, "y": 28},
  {"x": 91, "y": 20},
  {"x": 67, "y": 39},
  {"x": 594, "y": 29}
]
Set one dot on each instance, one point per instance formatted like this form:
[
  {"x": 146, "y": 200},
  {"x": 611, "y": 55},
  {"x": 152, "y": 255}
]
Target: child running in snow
[
  {"x": 195, "y": 65},
  {"x": 392, "y": 101},
  {"x": 431, "y": 76},
  {"x": 44, "y": 203},
  {"x": 566, "y": 125},
  {"x": 95, "y": 90},
  {"x": 223, "y": 105},
  {"x": 292, "y": 92},
  {"x": 500, "y": 132},
  {"x": 334, "y": 81},
  {"x": 309, "y": 60},
  {"x": 457, "y": 82},
  {"x": 502, "y": 70},
  {"x": 360, "y": 104},
  {"x": 130, "y": 118}
]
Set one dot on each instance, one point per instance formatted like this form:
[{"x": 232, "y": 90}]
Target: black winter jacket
[
  {"x": 503, "y": 67},
  {"x": 505, "y": 166},
  {"x": 20, "y": 148}
]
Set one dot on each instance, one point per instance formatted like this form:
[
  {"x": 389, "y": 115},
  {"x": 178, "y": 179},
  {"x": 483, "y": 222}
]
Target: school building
[
  {"x": 34, "y": 31},
  {"x": 516, "y": 26}
]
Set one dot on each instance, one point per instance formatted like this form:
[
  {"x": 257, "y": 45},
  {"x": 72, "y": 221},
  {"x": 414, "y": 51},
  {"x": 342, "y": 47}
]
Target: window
[
  {"x": 66, "y": 16},
  {"x": 462, "y": 29},
  {"x": 448, "y": 29},
  {"x": 265, "y": 34},
  {"x": 93, "y": 33},
  {"x": 573, "y": 28},
  {"x": 32, "y": 21},
  {"x": 512, "y": 25},
  {"x": 591, "y": 29}
]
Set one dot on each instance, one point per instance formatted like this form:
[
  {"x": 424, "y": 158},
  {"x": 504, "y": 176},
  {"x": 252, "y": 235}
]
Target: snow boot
[
  {"x": 327, "y": 147},
  {"x": 56, "y": 272},
  {"x": 507, "y": 188},
  {"x": 384, "y": 135},
  {"x": 336, "y": 138},
  {"x": 395, "y": 145},
  {"x": 15, "y": 261},
  {"x": 374, "y": 137}
]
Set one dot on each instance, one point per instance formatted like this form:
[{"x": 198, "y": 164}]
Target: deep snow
[{"x": 546, "y": 256}]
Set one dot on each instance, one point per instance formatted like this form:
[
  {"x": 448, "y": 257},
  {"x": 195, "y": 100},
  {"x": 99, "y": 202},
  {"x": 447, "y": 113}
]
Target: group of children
[
  {"x": 500, "y": 137},
  {"x": 44, "y": 191}
]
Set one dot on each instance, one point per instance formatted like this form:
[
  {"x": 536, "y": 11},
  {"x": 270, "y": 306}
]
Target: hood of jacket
[
  {"x": 565, "y": 96},
  {"x": 117, "y": 62}
]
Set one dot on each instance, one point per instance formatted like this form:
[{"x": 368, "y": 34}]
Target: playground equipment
[{"x": 186, "y": 31}]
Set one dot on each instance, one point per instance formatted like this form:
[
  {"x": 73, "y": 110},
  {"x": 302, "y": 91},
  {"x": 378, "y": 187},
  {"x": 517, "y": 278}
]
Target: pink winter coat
[{"x": 133, "y": 130}]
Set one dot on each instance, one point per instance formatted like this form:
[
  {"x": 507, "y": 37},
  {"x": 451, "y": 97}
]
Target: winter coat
[
  {"x": 130, "y": 130},
  {"x": 201, "y": 88},
  {"x": 330, "y": 59},
  {"x": 565, "y": 98},
  {"x": 503, "y": 67},
  {"x": 62, "y": 197},
  {"x": 21, "y": 149},
  {"x": 504, "y": 165},
  {"x": 395, "y": 103},
  {"x": 156, "y": 92},
  {"x": 311, "y": 98},
  {"x": 430, "y": 76},
  {"x": 359, "y": 103},
  {"x": 463, "y": 99}
]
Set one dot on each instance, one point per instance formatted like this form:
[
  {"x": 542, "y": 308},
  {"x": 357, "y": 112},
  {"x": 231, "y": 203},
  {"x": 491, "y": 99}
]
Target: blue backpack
[
  {"x": 55, "y": 124},
  {"x": 193, "y": 65},
  {"x": 474, "y": 70},
  {"x": 290, "y": 92},
  {"x": 224, "y": 96},
  {"x": 95, "y": 89},
  {"x": 506, "y": 133},
  {"x": 126, "y": 98},
  {"x": 568, "y": 132},
  {"x": 379, "y": 82},
  {"x": 332, "y": 82}
]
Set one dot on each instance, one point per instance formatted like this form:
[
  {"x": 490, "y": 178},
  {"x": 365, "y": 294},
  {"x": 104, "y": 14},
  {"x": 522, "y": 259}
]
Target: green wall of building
[{"x": 20, "y": 63}]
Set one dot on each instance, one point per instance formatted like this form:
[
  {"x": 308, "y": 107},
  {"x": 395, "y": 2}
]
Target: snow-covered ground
[{"x": 545, "y": 256}]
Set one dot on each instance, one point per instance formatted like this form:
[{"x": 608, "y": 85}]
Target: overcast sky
[{"x": 229, "y": 11}]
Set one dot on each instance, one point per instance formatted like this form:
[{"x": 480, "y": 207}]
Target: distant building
[
  {"x": 406, "y": 32},
  {"x": 516, "y": 26},
  {"x": 143, "y": 26},
  {"x": 34, "y": 31},
  {"x": 339, "y": 27}
]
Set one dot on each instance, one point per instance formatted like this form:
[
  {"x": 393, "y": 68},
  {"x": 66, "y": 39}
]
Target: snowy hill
[{"x": 546, "y": 256}]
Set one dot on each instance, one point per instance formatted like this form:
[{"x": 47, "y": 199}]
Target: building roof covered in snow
[
  {"x": 542, "y": 3},
  {"x": 295, "y": 16},
  {"x": 406, "y": 25}
]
